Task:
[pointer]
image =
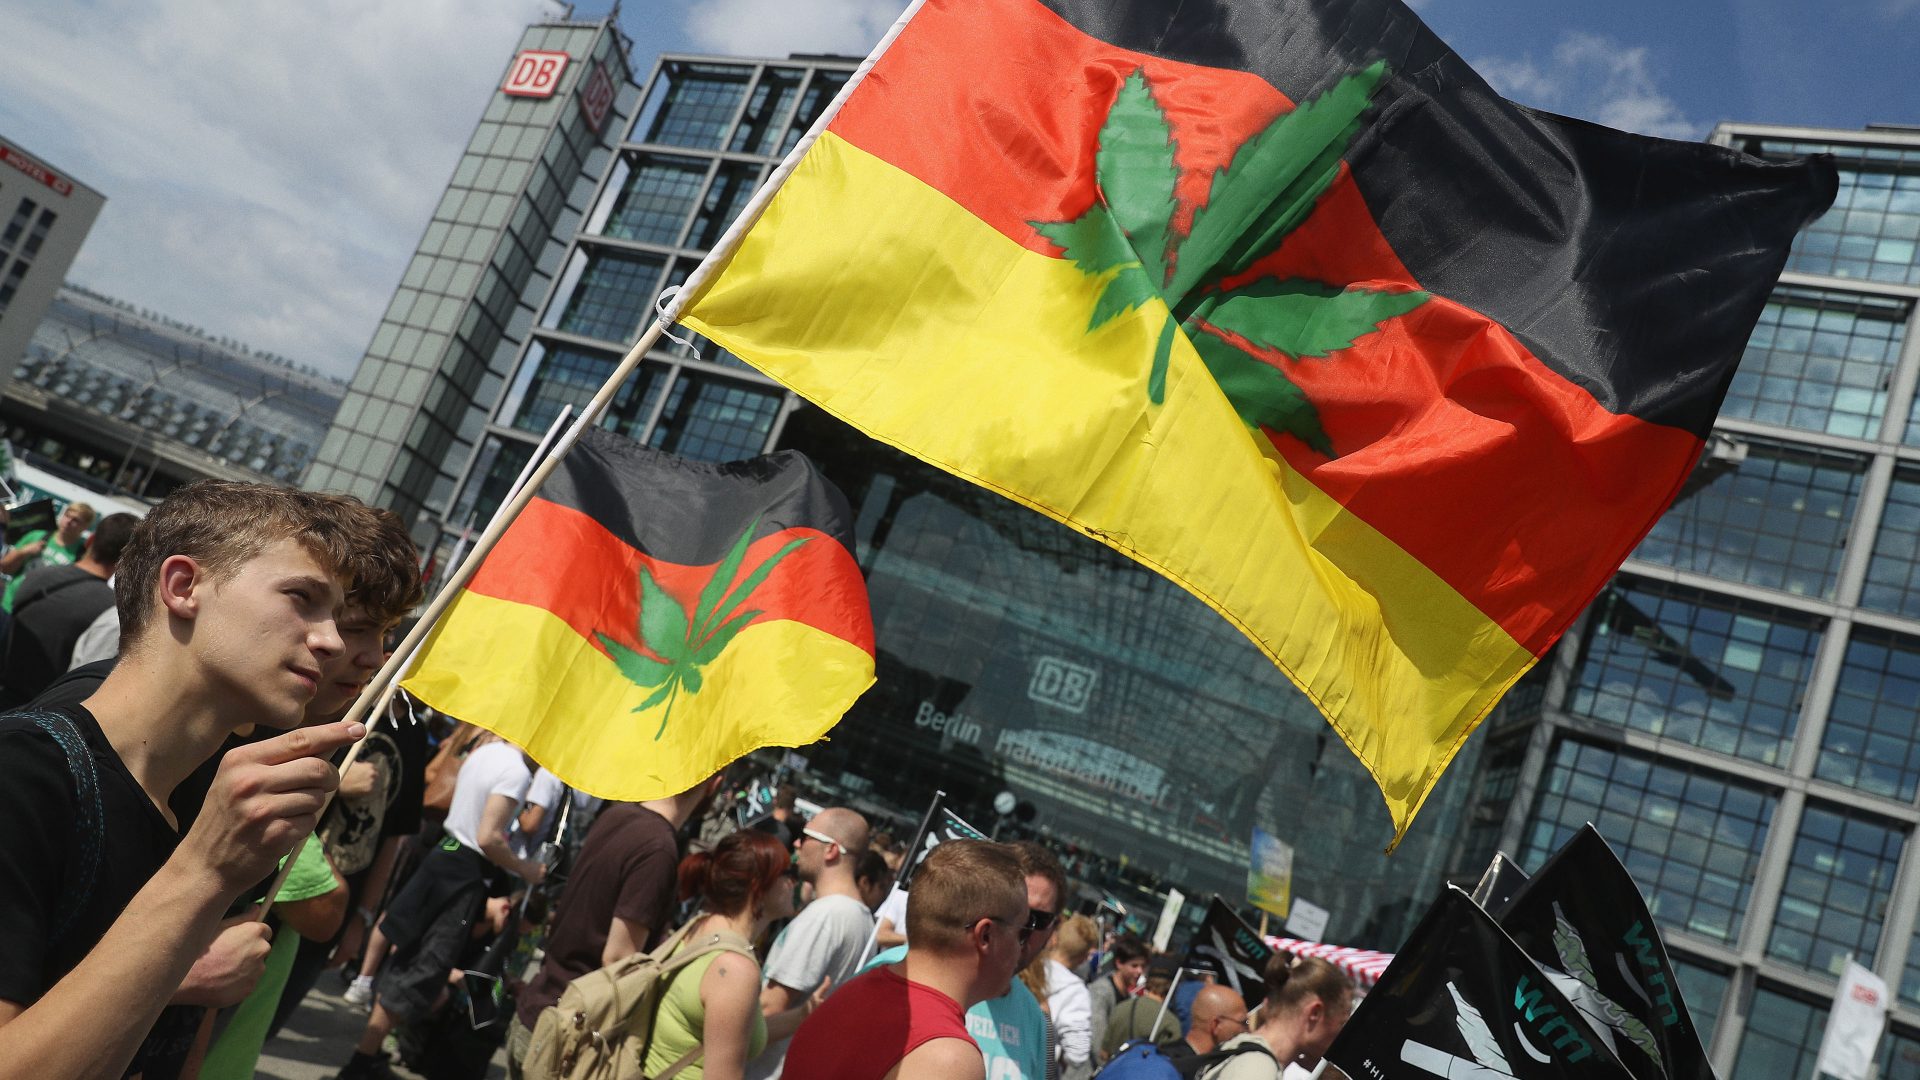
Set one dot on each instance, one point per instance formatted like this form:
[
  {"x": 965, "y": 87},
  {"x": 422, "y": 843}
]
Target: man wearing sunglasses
[{"x": 825, "y": 940}]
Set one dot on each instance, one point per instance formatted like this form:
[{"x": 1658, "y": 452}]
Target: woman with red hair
[{"x": 713, "y": 1004}]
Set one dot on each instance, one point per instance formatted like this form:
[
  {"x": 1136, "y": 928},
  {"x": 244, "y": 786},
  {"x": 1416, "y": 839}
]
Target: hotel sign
[
  {"x": 535, "y": 73},
  {"x": 25, "y": 164}
]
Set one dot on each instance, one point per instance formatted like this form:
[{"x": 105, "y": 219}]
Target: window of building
[
  {"x": 22, "y": 215},
  {"x": 733, "y": 184},
  {"x": 560, "y": 375},
  {"x": 605, "y": 294},
  {"x": 1819, "y": 360},
  {"x": 1873, "y": 229},
  {"x": 633, "y": 406},
  {"x": 693, "y": 104},
  {"x": 649, "y": 198},
  {"x": 1777, "y": 520},
  {"x": 1872, "y": 741},
  {"x": 1893, "y": 575},
  {"x": 1704, "y": 989},
  {"x": 715, "y": 419},
  {"x": 1782, "y": 1037},
  {"x": 1836, "y": 891},
  {"x": 765, "y": 118},
  {"x": 820, "y": 94},
  {"x": 41, "y": 226},
  {"x": 1900, "y": 1055},
  {"x": 1691, "y": 838},
  {"x": 1713, "y": 672}
]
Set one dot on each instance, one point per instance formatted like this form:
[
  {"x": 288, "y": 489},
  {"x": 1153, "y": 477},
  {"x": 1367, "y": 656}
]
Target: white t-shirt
[
  {"x": 826, "y": 938},
  {"x": 894, "y": 907},
  {"x": 495, "y": 769},
  {"x": 543, "y": 791}
]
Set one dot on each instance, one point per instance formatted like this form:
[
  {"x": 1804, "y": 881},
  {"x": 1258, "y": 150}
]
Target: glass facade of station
[
  {"x": 1014, "y": 654},
  {"x": 1739, "y": 711}
]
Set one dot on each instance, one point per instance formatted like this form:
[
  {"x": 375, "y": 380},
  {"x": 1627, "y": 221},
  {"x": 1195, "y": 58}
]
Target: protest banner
[
  {"x": 1582, "y": 919},
  {"x": 1269, "y": 873},
  {"x": 1232, "y": 951},
  {"x": 1854, "y": 1027},
  {"x": 1461, "y": 1001}
]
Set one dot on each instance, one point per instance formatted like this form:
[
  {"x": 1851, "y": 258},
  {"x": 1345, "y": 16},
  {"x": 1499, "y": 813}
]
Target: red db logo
[{"x": 534, "y": 74}]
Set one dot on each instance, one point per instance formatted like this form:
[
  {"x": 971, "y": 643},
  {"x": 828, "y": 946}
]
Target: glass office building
[
  {"x": 1738, "y": 711},
  {"x": 459, "y": 319},
  {"x": 1147, "y": 737}
]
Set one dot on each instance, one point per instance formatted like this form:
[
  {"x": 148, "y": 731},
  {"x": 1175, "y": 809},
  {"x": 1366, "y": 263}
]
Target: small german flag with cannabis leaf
[
  {"x": 648, "y": 619},
  {"x": 1280, "y": 299}
]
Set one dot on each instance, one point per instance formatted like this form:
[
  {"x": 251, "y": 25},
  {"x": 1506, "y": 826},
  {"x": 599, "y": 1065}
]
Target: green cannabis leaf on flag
[
  {"x": 1266, "y": 192},
  {"x": 685, "y": 644}
]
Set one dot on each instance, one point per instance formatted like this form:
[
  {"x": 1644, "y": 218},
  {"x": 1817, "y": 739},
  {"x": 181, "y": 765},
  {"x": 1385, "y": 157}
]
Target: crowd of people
[{"x": 459, "y": 893}]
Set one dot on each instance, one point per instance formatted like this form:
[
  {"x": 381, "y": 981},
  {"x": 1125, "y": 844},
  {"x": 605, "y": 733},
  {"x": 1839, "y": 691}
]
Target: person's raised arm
[
  {"x": 265, "y": 797},
  {"x": 17, "y": 557},
  {"x": 493, "y": 840}
]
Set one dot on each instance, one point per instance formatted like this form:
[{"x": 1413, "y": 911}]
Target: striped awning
[{"x": 1364, "y": 966}]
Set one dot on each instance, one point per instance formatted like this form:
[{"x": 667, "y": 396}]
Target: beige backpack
[{"x": 600, "y": 1028}]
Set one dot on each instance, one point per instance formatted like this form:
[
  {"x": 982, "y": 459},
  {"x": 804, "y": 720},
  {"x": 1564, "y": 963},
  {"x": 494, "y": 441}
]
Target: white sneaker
[{"x": 360, "y": 993}]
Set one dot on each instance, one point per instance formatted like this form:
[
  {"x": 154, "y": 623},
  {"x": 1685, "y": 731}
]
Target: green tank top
[{"x": 682, "y": 1020}]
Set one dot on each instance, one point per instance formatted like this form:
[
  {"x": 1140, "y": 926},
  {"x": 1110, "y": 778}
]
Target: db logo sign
[
  {"x": 534, "y": 74},
  {"x": 597, "y": 97},
  {"x": 1061, "y": 684}
]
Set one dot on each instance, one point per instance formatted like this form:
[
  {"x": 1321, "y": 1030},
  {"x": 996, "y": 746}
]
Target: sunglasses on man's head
[
  {"x": 822, "y": 837},
  {"x": 1040, "y": 920}
]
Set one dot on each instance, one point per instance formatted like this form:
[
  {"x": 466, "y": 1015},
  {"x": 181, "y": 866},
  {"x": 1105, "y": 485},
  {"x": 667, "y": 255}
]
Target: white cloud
[
  {"x": 1596, "y": 78},
  {"x": 268, "y": 167},
  {"x": 779, "y": 27}
]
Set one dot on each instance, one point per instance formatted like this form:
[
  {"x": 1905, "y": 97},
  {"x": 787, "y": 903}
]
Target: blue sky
[{"x": 269, "y": 167}]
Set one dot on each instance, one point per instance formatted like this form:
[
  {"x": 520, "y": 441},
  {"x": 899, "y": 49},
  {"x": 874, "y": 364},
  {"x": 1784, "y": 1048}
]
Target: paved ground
[{"x": 319, "y": 1038}]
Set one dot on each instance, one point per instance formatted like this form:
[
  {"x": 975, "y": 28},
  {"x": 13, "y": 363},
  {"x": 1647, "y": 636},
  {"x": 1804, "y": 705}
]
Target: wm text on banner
[
  {"x": 1462, "y": 1002},
  {"x": 1232, "y": 951},
  {"x": 648, "y": 619},
  {"x": 1582, "y": 916},
  {"x": 1279, "y": 299}
]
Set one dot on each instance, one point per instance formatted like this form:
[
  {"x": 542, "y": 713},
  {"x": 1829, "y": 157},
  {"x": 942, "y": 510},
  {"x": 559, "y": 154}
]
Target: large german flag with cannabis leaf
[
  {"x": 647, "y": 619},
  {"x": 1278, "y": 298}
]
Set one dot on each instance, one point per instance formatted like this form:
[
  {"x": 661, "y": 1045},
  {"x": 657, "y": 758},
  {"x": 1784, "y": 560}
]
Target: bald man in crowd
[
  {"x": 825, "y": 940},
  {"x": 1219, "y": 1014}
]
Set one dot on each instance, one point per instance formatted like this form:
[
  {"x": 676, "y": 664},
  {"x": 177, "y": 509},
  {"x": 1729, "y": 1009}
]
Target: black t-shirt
[
  {"x": 48, "y": 923},
  {"x": 52, "y": 608}
]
